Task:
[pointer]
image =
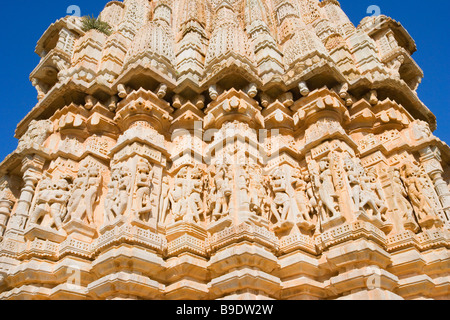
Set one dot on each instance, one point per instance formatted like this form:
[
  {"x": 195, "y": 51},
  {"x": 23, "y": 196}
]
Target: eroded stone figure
[
  {"x": 194, "y": 196},
  {"x": 223, "y": 193},
  {"x": 257, "y": 191},
  {"x": 281, "y": 206},
  {"x": 401, "y": 202},
  {"x": 51, "y": 200},
  {"x": 304, "y": 204},
  {"x": 328, "y": 199},
  {"x": 85, "y": 195},
  {"x": 354, "y": 173},
  {"x": 243, "y": 189},
  {"x": 165, "y": 199},
  {"x": 118, "y": 193},
  {"x": 178, "y": 195},
  {"x": 372, "y": 197},
  {"x": 37, "y": 133},
  {"x": 144, "y": 185},
  {"x": 419, "y": 194}
]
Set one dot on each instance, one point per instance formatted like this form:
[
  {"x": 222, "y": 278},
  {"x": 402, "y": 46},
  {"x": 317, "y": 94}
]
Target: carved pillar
[
  {"x": 5, "y": 212},
  {"x": 431, "y": 160},
  {"x": 32, "y": 168}
]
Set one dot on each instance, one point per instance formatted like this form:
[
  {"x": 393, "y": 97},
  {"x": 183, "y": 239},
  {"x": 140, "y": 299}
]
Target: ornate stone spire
[
  {"x": 153, "y": 42},
  {"x": 226, "y": 149},
  {"x": 228, "y": 37}
]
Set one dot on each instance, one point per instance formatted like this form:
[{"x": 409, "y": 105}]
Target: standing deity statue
[
  {"x": 42, "y": 199},
  {"x": 111, "y": 195},
  {"x": 328, "y": 199},
  {"x": 118, "y": 191},
  {"x": 418, "y": 192},
  {"x": 243, "y": 189},
  {"x": 77, "y": 192},
  {"x": 194, "y": 194},
  {"x": 91, "y": 195},
  {"x": 306, "y": 211},
  {"x": 353, "y": 176},
  {"x": 281, "y": 205},
  {"x": 366, "y": 191},
  {"x": 51, "y": 199},
  {"x": 223, "y": 193},
  {"x": 165, "y": 199},
  {"x": 401, "y": 202},
  {"x": 144, "y": 185},
  {"x": 371, "y": 197},
  {"x": 312, "y": 199},
  {"x": 84, "y": 195},
  {"x": 178, "y": 195},
  {"x": 258, "y": 191}
]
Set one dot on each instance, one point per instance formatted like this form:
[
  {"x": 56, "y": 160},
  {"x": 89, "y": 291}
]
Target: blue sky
[{"x": 23, "y": 22}]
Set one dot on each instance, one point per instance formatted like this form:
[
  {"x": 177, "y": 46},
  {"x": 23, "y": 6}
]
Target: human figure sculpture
[
  {"x": 58, "y": 203},
  {"x": 194, "y": 201},
  {"x": 77, "y": 193},
  {"x": 257, "y": 191},
  {"x": 396, "y": 65},
  {"x": 353, "y": 177},
  {"x": 417, "y": 192},
  {"x": 178, "y": 195},
  {"x": 312, "y": 199},
  {"x": 243, "y": 189},
  {"x": 85, "y": 194},
  {"x": 326, "y": 192},
  {"x": 223, "y": 194},
  {"x": 302, "y": 200},
  {"x": 281, "y": 206},
  {"x": 401, "y": 202},
  {"x": 372, "y": 197},
  {"x": 51, "y": 199},
  {"x": 91, "y": 195},
  {"x": 165, "y": 199},
  {"x": 118, "y": 191},
  {"x": 111, "y": 195},
  {"x": 144, "y": 178}
]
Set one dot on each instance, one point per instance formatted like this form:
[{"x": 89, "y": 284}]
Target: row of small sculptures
[{"x": 287, "y": 195}]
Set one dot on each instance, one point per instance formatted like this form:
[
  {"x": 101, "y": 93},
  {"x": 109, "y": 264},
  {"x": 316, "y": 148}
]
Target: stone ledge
[
  {"x": 186, "y": 243},
  {"x": 132, "y": 234},
  {"x": 350, "y": 231},
  {"x": 242, "y": 232},
  {"x": 298, "y": 242},
  {"x": 428, "y": 239}
]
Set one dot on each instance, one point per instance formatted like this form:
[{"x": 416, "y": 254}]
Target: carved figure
[
  {"x": 302, "y": 200},
  {"x": 243, "y": 189},
  {"x": 281, "y": 206},
  {"x": 178, "y": 195},
  {"x": 117, "y": 197},
  {"x": 223, "y": 193},
  {"x": 144, "y": 185},
  {"x": 326, "y": 192},
  {"x": 165, "y": 199},
  {"x": 372, "y": 198},
  {"x": 84, "y": 195},
  {"x": 417, "y": 192},
  {"x": 51, "y": 199},
  {"x": 194, "y": 200},
  {"x": 401, "y": 202}
]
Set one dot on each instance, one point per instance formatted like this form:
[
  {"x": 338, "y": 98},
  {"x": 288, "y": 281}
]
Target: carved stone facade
[{"x": 226, "y": 149}]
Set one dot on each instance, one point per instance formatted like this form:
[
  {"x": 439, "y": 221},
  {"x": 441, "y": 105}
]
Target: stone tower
[{"x": 225, "y": 149}]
